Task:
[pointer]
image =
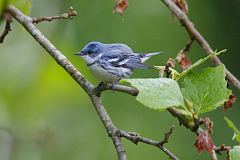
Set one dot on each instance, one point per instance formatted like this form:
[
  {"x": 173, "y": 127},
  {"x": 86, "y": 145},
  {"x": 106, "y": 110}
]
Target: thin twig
[
  {"x": 188, "y": 45},
  {"x": 69, "y": 15},
  {"x": 213, "y": 155},
  {"x": 111, "y": 129},
  {"x": 7, "y": 29},
  {"x": 194, "y": 33},
  {"x": 135, "y": 138},
  {"x": 223, "y": 148},
  {"x": 182, "y": 59},
  {"x": 167, "y": 136}
]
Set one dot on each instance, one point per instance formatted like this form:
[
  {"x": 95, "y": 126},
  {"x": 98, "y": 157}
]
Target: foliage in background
[
  {"x": 23, "y": 5},
  {"x": 48, "y": 113},
  {"x": 231, "y": 125},
  {"x": 235, "y": 151}
]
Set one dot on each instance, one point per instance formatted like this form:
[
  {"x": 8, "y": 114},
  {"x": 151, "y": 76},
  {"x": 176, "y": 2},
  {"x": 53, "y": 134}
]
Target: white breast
[{"x": 102, "y": 74}]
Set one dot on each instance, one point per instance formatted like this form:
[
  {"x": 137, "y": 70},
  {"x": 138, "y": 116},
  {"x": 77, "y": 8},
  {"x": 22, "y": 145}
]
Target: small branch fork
[
  {"x": 7, "y": 29},
  {"x": 188, "y": 45},
  {"x": 92, "y": 91},
  {"x": 135, "y": 138},
  {"x": 223, "y": 148},
  {"x": 195, "y": 35}
]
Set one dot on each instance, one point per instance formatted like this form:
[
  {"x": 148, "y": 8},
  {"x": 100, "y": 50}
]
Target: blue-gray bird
[{"x": 112, "y": 62}]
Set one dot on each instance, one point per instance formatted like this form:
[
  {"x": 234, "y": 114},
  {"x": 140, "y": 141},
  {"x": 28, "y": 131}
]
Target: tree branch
[
  {"x": 167, "y": 136},
  {"x": 117, "y": 87},
  {"x": 111, "y": 129},
  {"x": 75, "y": 74},
  {"x": 7, "y": 29},
  {"x": 92, "y": 91},
  {"x": 195, "y": 34},
  {"x": 184, "y": 121},
  {"x": 194, "y": 127},
  {"x": 222, "y": 148},
  {"x": 135, "y": 138},
  {"x": 69, "y": 15}
]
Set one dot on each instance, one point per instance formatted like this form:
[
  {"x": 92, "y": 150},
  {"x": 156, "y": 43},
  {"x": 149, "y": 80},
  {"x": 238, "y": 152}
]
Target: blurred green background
[{"x": 45, "y": 115}]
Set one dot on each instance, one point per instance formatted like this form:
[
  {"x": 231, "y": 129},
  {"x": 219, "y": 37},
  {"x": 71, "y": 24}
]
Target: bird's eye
[{"x": 90, "y": 51}]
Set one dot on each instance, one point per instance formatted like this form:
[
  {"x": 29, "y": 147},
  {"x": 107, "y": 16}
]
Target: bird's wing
[{"x": 125, "y": 60}]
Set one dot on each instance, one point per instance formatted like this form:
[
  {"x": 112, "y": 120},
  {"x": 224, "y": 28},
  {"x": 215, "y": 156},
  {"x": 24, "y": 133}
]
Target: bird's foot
[
  {"x": 100, "y": 88},
  {"x": 114, "y": 86},
  {"x": 103, "y": 85}
]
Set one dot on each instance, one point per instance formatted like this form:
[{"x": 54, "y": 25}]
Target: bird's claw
[{"x": 114, "y": 86}]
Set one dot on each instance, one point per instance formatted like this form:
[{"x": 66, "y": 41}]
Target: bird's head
[{"x": 91, "y": 51}]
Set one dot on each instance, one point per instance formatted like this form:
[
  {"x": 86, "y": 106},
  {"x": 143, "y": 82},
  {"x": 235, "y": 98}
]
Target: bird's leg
[
  {"x": 114, "y": 85},
  {"x": 100, "y": 85},
  {"x": 99, "y": 88}
]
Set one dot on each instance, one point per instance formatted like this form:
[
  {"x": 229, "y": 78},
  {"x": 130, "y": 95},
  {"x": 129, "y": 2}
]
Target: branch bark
[
  {"x": 135, "y": 138},
  {"x": 117, "y": 87},
  {"x": 7, "y": 29},
  {"x": 75, "y": 74},
  {"x": 92, "y": 91},
  {"x": 195, "y": 34},
  {"x": 69, "y": 15}
]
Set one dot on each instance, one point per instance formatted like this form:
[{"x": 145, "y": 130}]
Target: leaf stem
[{"x": 184, "y": 73}]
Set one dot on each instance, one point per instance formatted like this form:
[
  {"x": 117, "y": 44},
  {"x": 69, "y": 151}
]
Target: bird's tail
[{"x": 146, "y": 56}]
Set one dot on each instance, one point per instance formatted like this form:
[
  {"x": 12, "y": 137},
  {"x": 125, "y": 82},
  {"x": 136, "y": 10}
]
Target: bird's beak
[{"x": 81, "y": 53}]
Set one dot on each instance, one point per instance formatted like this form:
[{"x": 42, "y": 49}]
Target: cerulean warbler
[{"x": 112, "y": 62}]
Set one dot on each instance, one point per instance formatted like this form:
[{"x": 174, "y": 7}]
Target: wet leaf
[
  {"x": 204, "y": 142},
  {"x": 206, "y": 89},
  {"x": 158, "y": 93},
  {"x": 120, "y": 6}
]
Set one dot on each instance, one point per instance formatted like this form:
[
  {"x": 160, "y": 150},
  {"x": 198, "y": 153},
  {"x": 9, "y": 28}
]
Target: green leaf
[
  {"x": 158, "y": 93},
  {"x": 206, "y": 89},
  {"x": 235, "y": 153},
  {"x": 236, "y": 131}
]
